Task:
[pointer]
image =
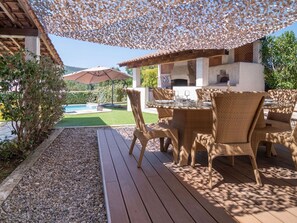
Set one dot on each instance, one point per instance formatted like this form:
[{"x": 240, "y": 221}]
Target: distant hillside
[{"x": 69, "y": 69}]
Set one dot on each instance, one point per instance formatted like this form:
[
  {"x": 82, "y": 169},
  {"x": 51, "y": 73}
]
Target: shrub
[
  {"x": 80, "y": 97},
  {"x": 9, "y": 150},
  {"x": 32, "y": 93},
  {"x": 101, "y": 95}
]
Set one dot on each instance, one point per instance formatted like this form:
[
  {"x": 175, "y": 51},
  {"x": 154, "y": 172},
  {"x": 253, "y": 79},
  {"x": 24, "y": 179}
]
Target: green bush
[
  {"x": 9, "y": 150},
  {"x": 101, "y": 95},
  {"x": 79, "y": 97},
  {"x": 32, "y": 93}
]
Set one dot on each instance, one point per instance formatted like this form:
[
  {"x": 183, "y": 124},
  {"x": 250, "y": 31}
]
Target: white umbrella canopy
[{"x": 96, "y": 75}]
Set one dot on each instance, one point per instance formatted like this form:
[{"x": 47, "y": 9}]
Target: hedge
[{"x": 102, "y": 95}]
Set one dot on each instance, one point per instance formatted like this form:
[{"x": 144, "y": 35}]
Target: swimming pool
[{"x": 80, "y": 108}]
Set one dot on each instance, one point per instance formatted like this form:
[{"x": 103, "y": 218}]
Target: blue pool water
[{"x": 79, "y": 107}]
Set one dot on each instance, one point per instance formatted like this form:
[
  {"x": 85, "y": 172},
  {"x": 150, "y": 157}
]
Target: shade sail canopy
[
  {"x": 96, "y": 75},
  {"x": 166, "y": 24}
]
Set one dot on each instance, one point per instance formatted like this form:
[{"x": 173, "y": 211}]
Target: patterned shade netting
[{"x": 166, "y": 24}]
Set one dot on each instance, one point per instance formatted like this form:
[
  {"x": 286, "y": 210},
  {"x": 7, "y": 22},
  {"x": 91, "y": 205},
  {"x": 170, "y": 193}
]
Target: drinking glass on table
[
  {"x": 176, "y": 95},
  {"x": 187, "y": 94}
]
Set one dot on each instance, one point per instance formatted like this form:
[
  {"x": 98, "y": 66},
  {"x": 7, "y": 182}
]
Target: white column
[
  {"x": 136, "y": 77},
  {"x": 231, "y": 56},
  {"x": 257, "y": 51},
  {"x": 159, "y": 76},
  {"x": 202, "y": 70},
  {"x": 225, "y": 59},
  {"x": 32, "y": 44}
]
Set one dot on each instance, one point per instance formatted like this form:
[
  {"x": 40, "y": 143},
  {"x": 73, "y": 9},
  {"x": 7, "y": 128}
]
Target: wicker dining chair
[
  {"x": 282, "y": 115},
  {"x": 145, "y": 132},
  {"x": 203, "y": 94},
  {"x": 278, "y": 119},
  {"x": 234, "y": 118},
  {"x": 278, "y": 135},
  {"x": 164, "y": 114}
]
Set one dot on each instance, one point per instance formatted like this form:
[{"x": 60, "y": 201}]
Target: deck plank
[
  {"x": 276, "y": 178},
  {"x": 244, "y": 176},
  {"x": 219, "y": 213},
  {"x": 171, "y": 203},
  {"x": 154, "y": 206},
  {"x": 242, "y": 172},
  {"x": 135, "y": 207},
  {"x": 116, "y": 210},
  {"x": 189, "y": 202}
]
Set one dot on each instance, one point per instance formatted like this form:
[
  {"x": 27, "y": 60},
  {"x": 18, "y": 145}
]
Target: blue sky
[{"x": 85, "y": 54}]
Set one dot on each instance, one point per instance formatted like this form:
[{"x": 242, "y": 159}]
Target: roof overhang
[{"x": 161, "y": 57}]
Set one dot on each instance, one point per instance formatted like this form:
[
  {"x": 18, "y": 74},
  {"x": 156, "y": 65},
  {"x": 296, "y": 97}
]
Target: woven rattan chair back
[
  {"x": 235, "y": 115},
  {"x": 294, "y": 133},
  {"x": 163, "y": 94},
  {"x": 203, "y": 94},
  {"x": 285, "y": 96},
  {"x": 134, "y": 97}
]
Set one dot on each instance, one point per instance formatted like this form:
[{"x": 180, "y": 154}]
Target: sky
[{"x": 82, "y": 54}]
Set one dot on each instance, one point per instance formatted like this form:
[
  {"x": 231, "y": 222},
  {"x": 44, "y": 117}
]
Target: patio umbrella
[{"x": 96, "y": 75}]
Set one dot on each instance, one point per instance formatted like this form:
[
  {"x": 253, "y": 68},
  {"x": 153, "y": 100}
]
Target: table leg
[{"x": 187, "y": 121}]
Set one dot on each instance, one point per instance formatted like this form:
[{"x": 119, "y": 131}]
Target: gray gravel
[{"x": 64, "y": 185}]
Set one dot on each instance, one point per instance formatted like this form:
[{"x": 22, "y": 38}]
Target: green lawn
[{"x": 115, "y": 117}]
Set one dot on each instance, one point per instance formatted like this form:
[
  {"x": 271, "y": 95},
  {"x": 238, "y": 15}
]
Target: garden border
[{"x": 7, "y": 186}]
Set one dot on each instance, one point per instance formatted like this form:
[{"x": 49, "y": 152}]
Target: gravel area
[{"x": 64, "y": 185}]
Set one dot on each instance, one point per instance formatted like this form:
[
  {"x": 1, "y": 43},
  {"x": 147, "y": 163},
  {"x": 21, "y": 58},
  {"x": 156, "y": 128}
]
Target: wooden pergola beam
[
  {"x": 10, "y": 15},
  {"x": 19, "y": 32},
  {"x": 6, "y": 48},
  {"x": 15, "y": 43}
]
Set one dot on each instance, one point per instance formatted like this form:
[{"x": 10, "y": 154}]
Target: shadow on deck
[{"x": 163, "y": 192}]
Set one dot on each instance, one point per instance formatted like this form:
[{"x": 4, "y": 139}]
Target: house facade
[{"x": 240, "y": 68}]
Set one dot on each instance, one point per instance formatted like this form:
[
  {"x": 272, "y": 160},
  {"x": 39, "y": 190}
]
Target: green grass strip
[{"x": 115, "y": 117}]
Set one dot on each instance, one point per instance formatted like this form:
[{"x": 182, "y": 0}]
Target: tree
[
  {"x": 32, "y": 94},
  {"x": 150, "y": 76},
  {"x": 279, "y": 57}
]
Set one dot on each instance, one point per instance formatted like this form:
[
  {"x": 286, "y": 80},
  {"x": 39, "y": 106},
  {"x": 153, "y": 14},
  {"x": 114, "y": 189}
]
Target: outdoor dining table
[{"x": 190, "y": 116}]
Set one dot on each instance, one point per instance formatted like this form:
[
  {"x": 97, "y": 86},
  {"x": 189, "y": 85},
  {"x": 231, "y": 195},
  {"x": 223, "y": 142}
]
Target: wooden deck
[{"x": 162, "y": 192}]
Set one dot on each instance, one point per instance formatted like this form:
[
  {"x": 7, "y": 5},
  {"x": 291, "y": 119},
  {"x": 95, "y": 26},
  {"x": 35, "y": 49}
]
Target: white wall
[
  {"x": 251, "y": 77},
  {"x": 231, "y": 69},
  {"x": 136, "y": 77},
  {"x": 243, "y": 76}
]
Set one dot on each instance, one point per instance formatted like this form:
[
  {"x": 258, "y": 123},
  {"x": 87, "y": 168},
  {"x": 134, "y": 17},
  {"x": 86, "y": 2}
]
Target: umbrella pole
[{"x": 112, "y": 92}]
